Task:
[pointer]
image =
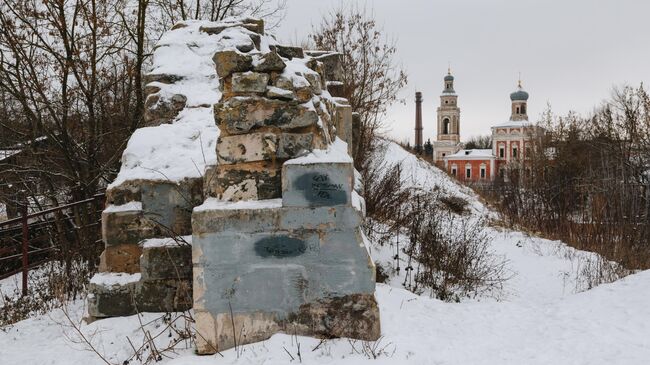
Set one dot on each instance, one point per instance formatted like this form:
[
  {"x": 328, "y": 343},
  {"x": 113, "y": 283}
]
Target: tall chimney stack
[{"x": 418, "y": 122}]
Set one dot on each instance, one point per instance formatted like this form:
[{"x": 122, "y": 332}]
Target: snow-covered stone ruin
[{"x": 239, "y": 199}]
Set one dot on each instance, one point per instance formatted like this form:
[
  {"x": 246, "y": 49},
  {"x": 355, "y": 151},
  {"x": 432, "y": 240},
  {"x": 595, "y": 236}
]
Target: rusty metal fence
[{"x": 34, "y": 239}]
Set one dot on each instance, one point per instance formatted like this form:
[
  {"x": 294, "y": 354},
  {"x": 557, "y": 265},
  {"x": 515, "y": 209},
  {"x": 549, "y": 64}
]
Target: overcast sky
[{"x": 570, "y": 53}]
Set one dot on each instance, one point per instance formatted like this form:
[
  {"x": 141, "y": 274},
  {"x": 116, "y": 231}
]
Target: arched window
[
  {"x": 523, "y": 109},
  {"x": 517, "y": 110},
  {"x": 445, "y": 126}
]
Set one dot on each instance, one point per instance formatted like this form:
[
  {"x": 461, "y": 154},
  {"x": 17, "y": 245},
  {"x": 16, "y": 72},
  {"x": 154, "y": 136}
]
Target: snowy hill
[{"x": 543, "y": 316}]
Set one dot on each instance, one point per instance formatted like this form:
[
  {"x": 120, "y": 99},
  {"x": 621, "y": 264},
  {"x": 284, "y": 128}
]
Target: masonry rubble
[{"x": 249, "y": 210}]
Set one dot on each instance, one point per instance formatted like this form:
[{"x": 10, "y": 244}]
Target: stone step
[
  {"x": 166, "y": 258},
  {"x": 121, "y": 294}
]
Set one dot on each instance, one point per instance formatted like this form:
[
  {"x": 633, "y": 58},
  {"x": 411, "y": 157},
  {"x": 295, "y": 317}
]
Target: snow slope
[{"x": 543, "y": 317}]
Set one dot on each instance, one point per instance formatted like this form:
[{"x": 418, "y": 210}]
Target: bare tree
[
  {"x": 479, "y": 142},
  {"x": 69, "y": 86},
  {"x": 371, "y": 76}
]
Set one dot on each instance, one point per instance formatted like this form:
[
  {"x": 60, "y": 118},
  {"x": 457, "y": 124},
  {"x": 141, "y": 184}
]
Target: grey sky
[{"x": 570, "y": 53}]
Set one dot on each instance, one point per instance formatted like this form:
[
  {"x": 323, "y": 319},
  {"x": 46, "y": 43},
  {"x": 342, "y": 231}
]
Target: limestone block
[
  {"x": 166, "y": 205},
  {"x": 168, "y": 261},
  {"x": 315, "y": 83},
  {"x": 123, "y": 258},
  {"x": 332, "y": 64},
  {"x": 304, "y": 94},
  {"x": 257, "y": 181},
  {"x": 162, "y": 78},
  {"x": 112, "y": 295},
  {"x": 228, "y": 62},
  {"x": 249, "y": 82},
  {"x": 317, "y": 184},
  {"x": 253, "y": 25},
  {"x": 283, "y": 82},
  {"x": 122, "y": 226},
  {"x": 288, "y": 51},
  {"x": 336, "y": 88},
  {"x": 164, "y": 295},
  {"x": 261, "y": 288},
  {"x": 273, "y": 92},
  {"x": 159, "y": 110},
  {"x": 291, "y": 145},
  {"x": 343, "y": 124},
  {"x": 241, "y": 114},
  {"x": 319, "y": 218},
  {"x": 247, "y": 148},
  {"x": 231, "y": 217},
  {"x": 237, "y": 250},
  {"x": 353, "y": 316},
  {"x": 270, "y": 62}
]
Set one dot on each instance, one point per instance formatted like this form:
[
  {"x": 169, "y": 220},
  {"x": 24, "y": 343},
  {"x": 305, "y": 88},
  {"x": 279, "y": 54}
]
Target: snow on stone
[
  {"x": 216, "y": 204},
  {"x": 171, "y": 152},
  {"x": 128, "y": 207},
  {"x": 166, "y": 242},
  {"x": 114, "y": 279},
  {"x": 337, "y": 152}
]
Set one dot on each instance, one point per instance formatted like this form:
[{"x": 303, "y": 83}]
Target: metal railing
[{"x": 29, "y": 241}]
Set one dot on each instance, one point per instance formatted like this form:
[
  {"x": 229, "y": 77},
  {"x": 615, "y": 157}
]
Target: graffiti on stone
[
  {"x": 280, "y": 246},
  {"x": 318, "y": 188}
]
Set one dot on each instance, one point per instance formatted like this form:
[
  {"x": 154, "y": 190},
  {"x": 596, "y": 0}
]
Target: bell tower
[
  {"x": 449, "y": 112},
  {"x": 448, "y": 135},
  {"x": 519, "y": 100}
]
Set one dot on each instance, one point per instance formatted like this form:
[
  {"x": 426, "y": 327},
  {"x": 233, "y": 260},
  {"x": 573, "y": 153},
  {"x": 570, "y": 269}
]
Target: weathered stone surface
[
  {"x": 273, "y": 92},
  {"x": 247, "y": 148},
  {"x": 206, "y": 221},
  {"x": 161, "y": 111},
  {"x": 288, "y": 51},
  {"x": 315, "y": 82},
  {"x": 170, "y": 261},
  {"x": 300, "y": 265},
  {"x": 128, "y": 298},
  {"x": 228, "y": 62},
  {"x": 121, "y": 258},
  {"x": 343, "y": 124},
  {"x": 336, "y": 88},
  {"x": 284, "y": 83},
  {"x": 304, "y": 94},
  {"x": 111, "y": 300},
  {"x": 322, "y": 184},
  {"x": 291, "y": 145},
  {"x": 270, "y": 62},
  {"x": 249, "y": 82},
  {"x": 255, "y": 181},
  {"x": 166, "y": 206},
  {"x": 125, "y": 227},
  {"x": 241, "y": 114},
  {"x": 164, "y": 295},
  {"x": 162, "y": 78},
  {"x": 332, "y": 64}
]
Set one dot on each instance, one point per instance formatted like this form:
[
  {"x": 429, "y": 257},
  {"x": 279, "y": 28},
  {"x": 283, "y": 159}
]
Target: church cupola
[
  {"x": 519, "y": 100},
  {"x": 449, "y": 83}
]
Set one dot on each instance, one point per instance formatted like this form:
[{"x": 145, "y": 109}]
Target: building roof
[
  {"x": 519, "y": 95},
  {"x": 514, "y": 124},
  {"x": 476, "y": 154}
]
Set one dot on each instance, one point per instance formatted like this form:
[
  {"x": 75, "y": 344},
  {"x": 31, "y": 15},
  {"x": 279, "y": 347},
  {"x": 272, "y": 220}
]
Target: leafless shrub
[
  {"x": 455, "y": 204},
  {"x": 49, "y": 288},
  {"x": 372, "y": 349}
]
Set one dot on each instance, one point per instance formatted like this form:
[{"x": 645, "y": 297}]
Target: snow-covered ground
[{"x": 543, "y": 316}]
